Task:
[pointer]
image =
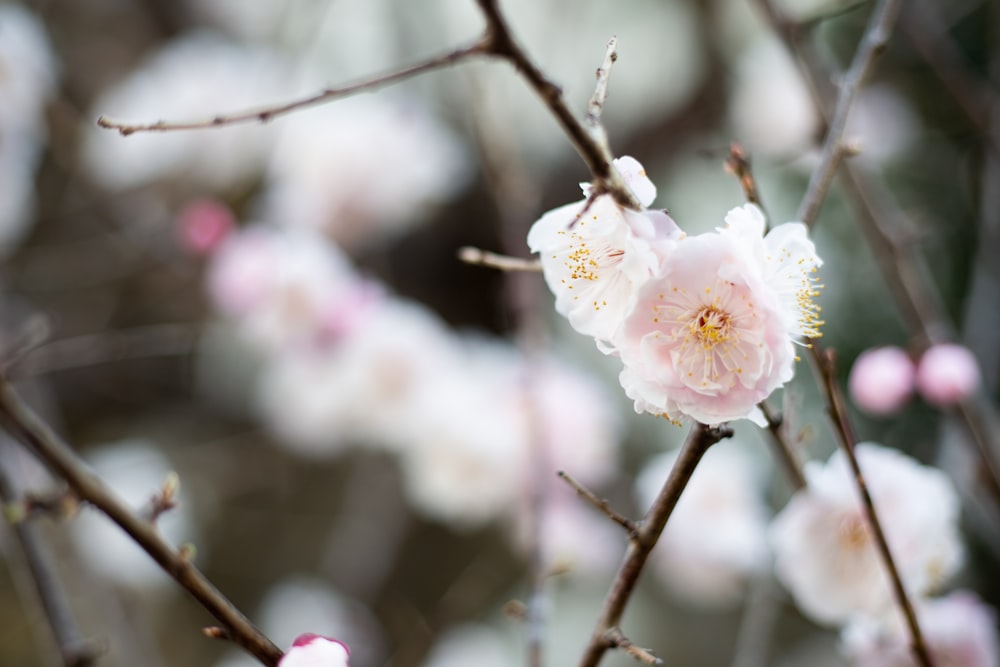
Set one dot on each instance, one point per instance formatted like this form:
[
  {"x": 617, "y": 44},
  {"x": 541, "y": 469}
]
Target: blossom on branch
[
  {"x": 825, "y": 551},
  {"x": 311, "y": 650},
  {"x": 596, "y": 254},
  {"x": 712, "y": 334}
]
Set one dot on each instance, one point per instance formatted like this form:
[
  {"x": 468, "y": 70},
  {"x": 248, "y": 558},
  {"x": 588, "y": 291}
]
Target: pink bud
[
  {"x": 881, "y": 380},
  {"x": 311, "y": 650},
  {"x": 947, "y": 374},
  {"x": 203, "y": 224}
]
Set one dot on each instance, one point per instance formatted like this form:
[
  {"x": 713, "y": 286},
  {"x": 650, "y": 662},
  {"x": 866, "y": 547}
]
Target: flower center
[
  {"x": 586, "y": 259},
  {"x": 711, "y": 326}
]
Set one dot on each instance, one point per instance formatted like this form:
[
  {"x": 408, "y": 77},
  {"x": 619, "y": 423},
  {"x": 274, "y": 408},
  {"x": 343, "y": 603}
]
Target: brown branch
[
  {"x": 595, "y": 152},
  {"x": 601, "y": 505},
  {"x": 622, "y": 643},
  {"x": 826, "y": 366},
  {"x": 738, "y": 164},
  {"x": 268, "y": 113},
  {"x": 74, "y": 650},
  {"x": 782, "y": 448},
  {"x": 873, "y": 43},
  {"x": 596, "y": 106},
  {"x": 24, "y": 426},
  {"x": 606, "y": 630}
]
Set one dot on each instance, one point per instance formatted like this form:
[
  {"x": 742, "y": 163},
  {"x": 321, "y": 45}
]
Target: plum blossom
[
  {"x": 203, "y": 225},
  {"x": 959, "y": 630},
  {"x": 716, "y": 537},
  {"x": 596, "y": 254},
  {"x": 282, "y": 286},
  {"x": 825, "y": 552},
  {"x": 947, "y": 374},
  {"x": 712, "y": 334},
  {"x": 881, "y": 380},
  {"x": 311, "y": 650}
]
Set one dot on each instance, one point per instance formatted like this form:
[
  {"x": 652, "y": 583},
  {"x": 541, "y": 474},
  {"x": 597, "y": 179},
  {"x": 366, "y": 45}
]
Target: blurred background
[{"x": 365, "y": 429}]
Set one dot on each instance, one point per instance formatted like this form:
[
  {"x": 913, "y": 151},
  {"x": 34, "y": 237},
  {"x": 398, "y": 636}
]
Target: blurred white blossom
[
  {"x": 825, "y": 552},
  {"x": 958, "y": 629},
  {"x": 716, "y": 537},
  {"x": 471, "y": 644},
  {"x": 28, "y": 72},
  {"x": 363, "y": 169}
]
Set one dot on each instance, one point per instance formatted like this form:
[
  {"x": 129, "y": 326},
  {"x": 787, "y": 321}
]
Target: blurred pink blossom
[
  {"x": 311, "y": 650},
  {"x": 203, "y": 225},
  {"x": 947, "y": 374},
  {"x": 881, "y": 380},
  {"x": 960, "y": 631},
  {"x": 824, "y": 549}
]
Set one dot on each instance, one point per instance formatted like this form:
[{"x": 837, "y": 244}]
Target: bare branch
[
  {"x": 873, "y": 43},
  {"x": 596, "y": 107},
  {"x": 595, "y": 152},
  {"x": 73, "y": 649},
  {"x": 268, "y": 113},
  {"x": 826, "y": 366},
  {"x": 601, "y": 505},
  {"x": 738, "y": 164},
  {"x": 697, "y": 443},
  {"x": 621, "y": 642},
  {"x": 24, "y": 426},
  {"x": 783, "y": 448},
  {"x": 472, "y": 255}
]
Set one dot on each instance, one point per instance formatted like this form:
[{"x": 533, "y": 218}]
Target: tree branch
[
  {"x": 268, "y": 113},
  {"x": 873, "y": 43},
  {"x": 606, "y": 631},
  {"x": 24, "y": 426},
  {"x": 826, "y": 366}
]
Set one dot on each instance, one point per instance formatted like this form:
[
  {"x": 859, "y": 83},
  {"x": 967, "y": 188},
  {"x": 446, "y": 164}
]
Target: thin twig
[
  {"x": 74, "y": 650},
  {"x": 606, "y": 630},
  {"x": 601, "y": 505},
  {"x": 472, "y": 255},
  {"x": 268, "y": 113},
  {"x": 782, "y": 447},
  {"x": 596, "y": 106},
  {"x": 622, "y": 643},
  {"x": 24, "y": 426},
  {"x": 595, "y": 152},
  {"x": 738, "y": 164},
  {"x": 826, "y": 366},
  {"x": 873, "y": 43}
]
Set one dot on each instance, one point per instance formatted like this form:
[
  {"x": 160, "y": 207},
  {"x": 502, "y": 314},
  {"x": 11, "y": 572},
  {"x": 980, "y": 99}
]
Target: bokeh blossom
[
  {"x": 959, "y": 630},
  {"x": 825, "y": 553},
  {"x": 947, "y": 374},
  {"x": 881, "y": 380},
  {"x": 716, "y": 537}
]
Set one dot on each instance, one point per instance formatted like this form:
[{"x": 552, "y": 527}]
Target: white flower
[
  {"x": 363, "y": 388},
  {"x": 311, "y": 650},
  {"x": 712, "y": 334},
  {"x": 471, "y": 644},
  {"x": 363, "y": 169},
  {"x": 715, "y": 539},
  {"x": 594, "y": 257},
  {"x": 825, "y": 552},
  {"x": 959, "y": 631}
]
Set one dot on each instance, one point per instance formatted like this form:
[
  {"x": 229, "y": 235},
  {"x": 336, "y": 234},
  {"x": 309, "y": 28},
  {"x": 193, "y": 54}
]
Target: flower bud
[
  {"x": 947, "y": 374},
  {"x": 881, "y": 380}
]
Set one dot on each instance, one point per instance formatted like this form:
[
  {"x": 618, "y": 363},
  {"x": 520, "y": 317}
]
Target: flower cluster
[{"x": 704, "y": 325}]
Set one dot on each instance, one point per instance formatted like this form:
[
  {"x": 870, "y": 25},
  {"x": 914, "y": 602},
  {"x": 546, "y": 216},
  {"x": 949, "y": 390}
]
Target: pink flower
[
  {"x": 310, "y": 650},
  {"x": 960, "y": 631},
  {"x": 203, "y": 225},
  {"x": 881, "y": 380},
  {"x": 825, "y": 552},
  {"x": 947, "y": 374},
  {"x": 712, "y": 334}
]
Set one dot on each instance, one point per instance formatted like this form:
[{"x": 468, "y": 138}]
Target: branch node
[{"x": 602, "y": 506}]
